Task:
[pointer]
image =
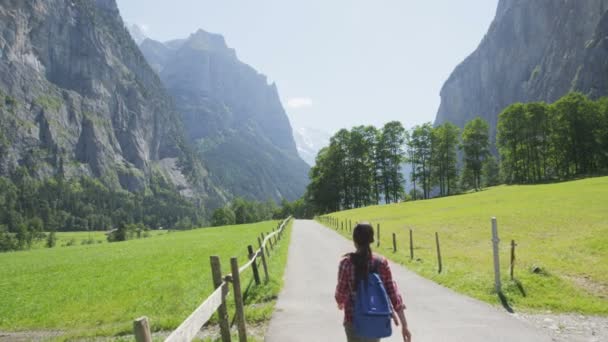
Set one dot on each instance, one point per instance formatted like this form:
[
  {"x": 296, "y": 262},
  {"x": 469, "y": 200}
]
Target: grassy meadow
[
  {"x": 97, "y": 290},
  {"x": 561, "y": 228},
  {"x": 71, "y": 239}
]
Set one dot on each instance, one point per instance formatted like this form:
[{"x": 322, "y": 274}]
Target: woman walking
[{"x": 354, "y": 268}]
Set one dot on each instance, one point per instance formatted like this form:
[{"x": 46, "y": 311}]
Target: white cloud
[{"x": 299, "y": 102}]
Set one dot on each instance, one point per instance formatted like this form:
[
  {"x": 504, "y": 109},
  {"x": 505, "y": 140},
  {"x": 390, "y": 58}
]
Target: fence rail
[{"x": 217, "y": 300}]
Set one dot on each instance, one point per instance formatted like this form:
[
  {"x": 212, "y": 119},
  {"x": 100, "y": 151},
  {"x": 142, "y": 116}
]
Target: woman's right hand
[{"x": 407, "y": 335}]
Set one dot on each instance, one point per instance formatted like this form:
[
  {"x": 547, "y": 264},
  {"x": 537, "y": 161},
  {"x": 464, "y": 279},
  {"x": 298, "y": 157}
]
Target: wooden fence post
[
  {"x": 141, "y": 328},
  {"x": 411, "y": 245},
  {"x": 495, "y": 242},
  {"x": 512, "y": 267},
  {"x": 267, "y": 249},
  {"x": 254, "y": 265},
  {"x": 438, "y": 252},
  {"x": 394, "y": 243},
  {"x": 378, "y": 233},
  {"x": 263, "y": 260},
  {"x": 216, "y": 271},
  {"x": 271, "y": 245},
  {"x": 238, "y": 300}
]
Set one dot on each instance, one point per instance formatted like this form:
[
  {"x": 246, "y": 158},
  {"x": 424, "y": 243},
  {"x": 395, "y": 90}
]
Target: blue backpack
[{"x": 372, "y": 310}]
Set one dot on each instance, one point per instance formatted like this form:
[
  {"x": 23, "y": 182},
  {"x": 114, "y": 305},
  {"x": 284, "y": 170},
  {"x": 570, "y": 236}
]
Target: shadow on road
[{"x": 504, "y": 302}]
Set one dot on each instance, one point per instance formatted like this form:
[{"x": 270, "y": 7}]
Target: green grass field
[
  {"x": 562, "y": 228},
  {"x": 97, "y": 290}
]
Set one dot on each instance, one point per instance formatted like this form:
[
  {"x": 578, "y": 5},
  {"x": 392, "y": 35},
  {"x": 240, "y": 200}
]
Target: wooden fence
[
  {"x": 217, "y": 300},
  {"x": 346, "y": 225}
]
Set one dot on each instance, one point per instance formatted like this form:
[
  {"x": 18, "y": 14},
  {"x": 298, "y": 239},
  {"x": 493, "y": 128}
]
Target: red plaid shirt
[{"x": 346, "y": 289}]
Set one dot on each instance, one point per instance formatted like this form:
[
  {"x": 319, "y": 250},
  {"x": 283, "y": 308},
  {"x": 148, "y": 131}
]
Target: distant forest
[
  {"x": 29, "y": 207},
  {"x": 536, "y": 142}
]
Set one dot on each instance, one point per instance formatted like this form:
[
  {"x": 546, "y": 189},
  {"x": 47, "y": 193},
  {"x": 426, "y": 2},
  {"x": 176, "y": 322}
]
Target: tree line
[
  {"x": 241, "y": 211},
  {"x": 536, "y": 142},
  {"x": 29, "y": 207},
  {"x": 541, "y": 142}
]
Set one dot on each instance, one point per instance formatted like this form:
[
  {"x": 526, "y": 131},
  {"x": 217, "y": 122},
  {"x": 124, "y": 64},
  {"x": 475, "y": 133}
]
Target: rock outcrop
[
  {"x": 232, "y": 115},
  {"x": 534, "y": 51},
  {"x": 78, "y": 97}
]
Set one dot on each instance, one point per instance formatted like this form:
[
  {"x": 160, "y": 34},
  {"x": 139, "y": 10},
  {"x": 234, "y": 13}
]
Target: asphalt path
[{"x": 306, "y": 309}]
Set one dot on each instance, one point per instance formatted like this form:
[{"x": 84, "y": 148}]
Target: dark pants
[{"x": 351, "y": 337}]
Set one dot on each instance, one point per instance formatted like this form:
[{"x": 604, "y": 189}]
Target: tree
[
  {"x": 361, "y": 170},
  {"x": 51, "y": 240},
  {"x": 510, "y": 139},
  {"x": 421, "y": 143},
  {"x": 444, "y": 142},
  {"x": 223, "y": 217},
  {"x": 411, "y": 157},
  {"x": 490, "y": 172},
  {"x": 391, "y": 154},
  {"x": 475, "y": 145},
  {"x": 602, "y": 134},
  {"x": 575, "y": 119},
  {"x": 322, "y": 190}
]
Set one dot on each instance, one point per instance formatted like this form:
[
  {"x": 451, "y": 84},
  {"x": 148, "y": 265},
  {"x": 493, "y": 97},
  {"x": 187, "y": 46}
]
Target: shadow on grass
[
  {"x": 504, "y": 300},
  {"x": 520, "y": 287}
]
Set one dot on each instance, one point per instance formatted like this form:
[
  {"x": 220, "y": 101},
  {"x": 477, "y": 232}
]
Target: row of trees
[
  {"x": 358, "y": 168},
  {"x": 242, "y": 211},
  {"x": 541, "y": 142},
  {"x": 363, "y": 166},
  {"x": 29, "y": 207},
  {"x": 537, "y": 142}
]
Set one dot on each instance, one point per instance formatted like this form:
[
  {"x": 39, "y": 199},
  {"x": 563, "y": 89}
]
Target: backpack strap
[{"x": 375, "y": 265}]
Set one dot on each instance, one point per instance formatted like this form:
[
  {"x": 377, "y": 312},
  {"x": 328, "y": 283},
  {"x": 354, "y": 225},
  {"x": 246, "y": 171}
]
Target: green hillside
[
  {"x": 561, "y": 228},
  {"x": 97, "y": 290}
]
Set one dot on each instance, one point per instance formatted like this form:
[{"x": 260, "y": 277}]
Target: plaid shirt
[{"x": 346, "y": 289}]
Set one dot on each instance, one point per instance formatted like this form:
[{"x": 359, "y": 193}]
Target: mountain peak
[
  {"x": 137, "y": 33},
  {"x": 109, "y": 5},
  {"x": 204, "y": 40}
]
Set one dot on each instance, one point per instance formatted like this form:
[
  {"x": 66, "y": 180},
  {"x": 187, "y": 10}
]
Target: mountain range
[{"x": 78, "y": 97}]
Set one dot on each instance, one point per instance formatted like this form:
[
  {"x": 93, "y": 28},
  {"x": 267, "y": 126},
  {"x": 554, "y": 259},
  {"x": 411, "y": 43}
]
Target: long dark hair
[{"x": 363, "y": 236}]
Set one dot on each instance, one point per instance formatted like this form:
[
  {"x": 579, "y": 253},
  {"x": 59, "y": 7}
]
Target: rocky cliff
[
  {"x": 78, "y": 97},
  {"x": 534, "y": 51},
  {"x": 232, "y": 115}
]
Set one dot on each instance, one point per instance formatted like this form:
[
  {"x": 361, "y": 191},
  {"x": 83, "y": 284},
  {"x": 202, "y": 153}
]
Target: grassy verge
[
  {"x": 560, "y": 228},
  {"x": 97, "y": 290},
  {"x": 261, "y": 300}
]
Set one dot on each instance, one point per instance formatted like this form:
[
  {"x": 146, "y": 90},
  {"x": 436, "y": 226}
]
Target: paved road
[{"x": 306, "y": 309}]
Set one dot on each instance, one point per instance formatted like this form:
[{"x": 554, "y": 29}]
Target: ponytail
[{"x": 363, "y": 235}]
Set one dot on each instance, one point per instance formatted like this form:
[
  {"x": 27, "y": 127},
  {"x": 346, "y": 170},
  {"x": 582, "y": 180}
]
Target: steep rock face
[
  {"x": 534, "y": 51},
  {"x": 79, "y": 97},
  {"x": 593, "y": 76},
  {"x": 233, "y": 115}
]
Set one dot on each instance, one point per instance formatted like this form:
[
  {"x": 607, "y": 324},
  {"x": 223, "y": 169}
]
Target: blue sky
[{"x": 337, "y": 63}]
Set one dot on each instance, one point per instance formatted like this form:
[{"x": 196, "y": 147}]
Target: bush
[
  {"x": 51, "y": 240},
  {"x": 7, "y": 240}
]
